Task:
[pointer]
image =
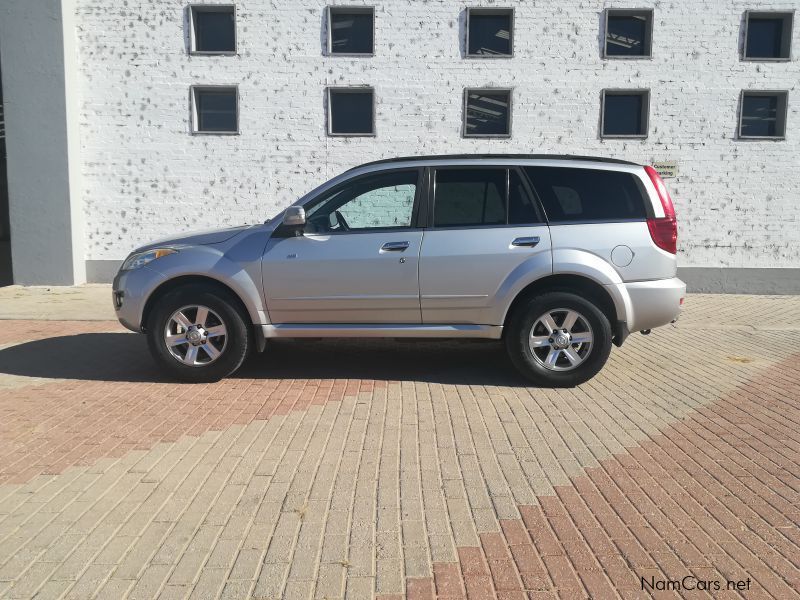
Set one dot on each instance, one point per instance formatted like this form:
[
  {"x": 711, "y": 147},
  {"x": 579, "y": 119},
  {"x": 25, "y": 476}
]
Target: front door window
[{"x": 379, "y": 202}]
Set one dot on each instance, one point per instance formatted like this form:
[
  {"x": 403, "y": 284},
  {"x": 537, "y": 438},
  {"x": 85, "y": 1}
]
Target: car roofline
[{"x": 460, "y": 157}]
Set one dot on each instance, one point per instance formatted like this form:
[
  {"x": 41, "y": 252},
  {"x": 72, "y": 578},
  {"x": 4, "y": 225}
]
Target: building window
[
  {"x": 351, "y": 30},
  {"x": 351, "y": 111},
  {"x": 624, "y": 113},
  {"x": 762, "y": 114},
  {"x": 212, "y": 29},
  {"x": 768, "y": 35},
  {"x": 215, "y": 109},
  {"x": 629, "y": 33},
  {"x": 487, "y": 113},
  {"x": 490, "y": 32}
]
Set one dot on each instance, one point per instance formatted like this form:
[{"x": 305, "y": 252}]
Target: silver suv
[{"x": 557, "y": 256}]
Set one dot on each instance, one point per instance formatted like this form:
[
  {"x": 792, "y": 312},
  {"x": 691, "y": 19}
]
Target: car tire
[
  {"x": 220, "y": 343},
  {"x": 549, "y": 356}
]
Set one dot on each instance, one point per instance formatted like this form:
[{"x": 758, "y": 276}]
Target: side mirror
[{"x": 295, "y": 216}]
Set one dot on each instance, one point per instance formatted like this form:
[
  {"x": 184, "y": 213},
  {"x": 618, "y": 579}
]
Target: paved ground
[{"x": 400, "y": 469}]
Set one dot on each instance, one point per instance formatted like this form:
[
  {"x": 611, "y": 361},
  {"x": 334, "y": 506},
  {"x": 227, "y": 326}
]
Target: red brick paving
[{"x": 715, "y": 496}]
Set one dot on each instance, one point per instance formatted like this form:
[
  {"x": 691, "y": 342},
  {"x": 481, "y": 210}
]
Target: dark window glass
[
  {"x": 469, "y": 197},
  {"x": 351, "y": 31},
  {"x": 216, "y": 110},
  {"x": 490, "y": 33},
  {"x": 578, "y": 195},
  {"x": 380, "y": 201},
  {"x": 522, "y": 208},
  {"x": 768, "y": 35},
  {"x": 214, "y": 30},
  {"x": 624, "y": 114},
  {"x": 487, "y": 113},
  {"x": 351, "y": 112},
  {"x": 628, "y": 33},
  {"x": 763, "y": 115}
]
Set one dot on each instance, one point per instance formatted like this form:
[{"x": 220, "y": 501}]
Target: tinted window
[
  {"x": 490, "y": 32},
  {"x": 577, "y": 195},
  {"x": 381, "y": 201},
  {"x": 768, "y": 35},
  {"x": 487, "y": 113},
  {"x": 628, "y": 33},
  {"x": 468, "y": 197},
  {"x": 216, "y": 110},
  {"x": 763, "y": 114},
  {"x": 351, "y": 112},
  {"x": 625, "y": 114},
  {"x": 351, "y": 31},
  {"x": 214, "y": 29}
]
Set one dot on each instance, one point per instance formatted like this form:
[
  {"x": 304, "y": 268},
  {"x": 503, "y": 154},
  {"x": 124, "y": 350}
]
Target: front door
[
  {"x": 487, "y": 231},
  {"x": 357, "y": 260}
]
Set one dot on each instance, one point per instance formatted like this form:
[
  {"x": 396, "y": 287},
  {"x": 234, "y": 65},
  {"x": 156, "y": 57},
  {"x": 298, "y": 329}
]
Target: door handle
[
  {"x": 394, "y": 247},
  {"x": 526, "y": 241}
]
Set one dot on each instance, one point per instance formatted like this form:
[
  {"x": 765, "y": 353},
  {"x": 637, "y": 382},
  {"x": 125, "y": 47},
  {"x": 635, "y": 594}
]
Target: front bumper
[
  {"x": 654, "y": 303},
  {"x": 130, "y": 292}
]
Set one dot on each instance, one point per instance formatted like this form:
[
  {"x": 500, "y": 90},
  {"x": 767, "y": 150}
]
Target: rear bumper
[{"x": 654, "y": 303}]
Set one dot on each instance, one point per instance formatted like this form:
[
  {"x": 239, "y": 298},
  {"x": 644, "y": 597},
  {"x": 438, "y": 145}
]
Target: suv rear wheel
[
  {"x": 197, "y": 335},
  {"x": 558, "y": 339}
]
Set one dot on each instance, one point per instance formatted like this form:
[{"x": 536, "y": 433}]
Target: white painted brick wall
[{"x": 145, "y": 176}]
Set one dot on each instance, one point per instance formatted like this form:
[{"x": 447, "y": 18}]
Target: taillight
[{"x": 663, "y": 230}]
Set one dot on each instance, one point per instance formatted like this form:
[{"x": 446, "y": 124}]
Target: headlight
[{"x": 140, "y": 259}]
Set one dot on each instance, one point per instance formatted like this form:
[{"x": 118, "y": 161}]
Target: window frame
[
  {"x": 194, "y": 114},
  {"x": 781, "y": 117},
  {"x": 645, "y": 92},
  {"x": 490, "y": 11},
  {"x": 430, "y": 207},
  {"x": 350, "y": 89},
  {"x": 649, "y": 32},
  {"x": 785, "y": 43},
  {"x": 345, "y": 8},
  {"x": 419, "y": 196},
  {"x": 200, "y": 7},
  {"x": 510, "y": 120}
]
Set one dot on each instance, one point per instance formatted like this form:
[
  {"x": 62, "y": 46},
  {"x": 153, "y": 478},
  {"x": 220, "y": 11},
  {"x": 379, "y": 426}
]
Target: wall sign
[{"x": 666, "y": 169}]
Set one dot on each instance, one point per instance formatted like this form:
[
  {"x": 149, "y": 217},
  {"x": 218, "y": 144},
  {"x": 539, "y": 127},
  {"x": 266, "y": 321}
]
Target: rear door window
[
  {"x": 469, "y": 197},
  {"x": 475, "y": 197},
  {"x": 583, "y": 195}
]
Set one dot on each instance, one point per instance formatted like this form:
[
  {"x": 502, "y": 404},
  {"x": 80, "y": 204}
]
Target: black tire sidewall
[
  {"x": 520, "y": 352},
  {"x": 237, "y": 343}
]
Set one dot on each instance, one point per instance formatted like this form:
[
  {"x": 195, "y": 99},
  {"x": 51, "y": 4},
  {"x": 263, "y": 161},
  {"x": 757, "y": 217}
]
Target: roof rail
[{"x": 497, "y": 156}]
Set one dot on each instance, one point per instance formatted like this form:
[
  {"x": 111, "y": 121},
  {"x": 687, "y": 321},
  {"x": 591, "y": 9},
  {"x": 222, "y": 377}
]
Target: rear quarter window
[{"x": 572, "y": 195}]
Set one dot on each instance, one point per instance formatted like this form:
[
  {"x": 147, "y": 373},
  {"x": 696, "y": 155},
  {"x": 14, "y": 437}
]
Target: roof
[{"x": 497, "y": 157}]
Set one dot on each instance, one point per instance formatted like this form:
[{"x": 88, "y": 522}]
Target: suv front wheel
[
  {"x": 197, "y": 335},
  {"x": 558, "y": 339}
]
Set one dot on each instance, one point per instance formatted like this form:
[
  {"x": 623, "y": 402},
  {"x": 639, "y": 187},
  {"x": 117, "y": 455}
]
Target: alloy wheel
[
  {"x": 560, "y": 339},
  {"x": 195, "y": 335}
]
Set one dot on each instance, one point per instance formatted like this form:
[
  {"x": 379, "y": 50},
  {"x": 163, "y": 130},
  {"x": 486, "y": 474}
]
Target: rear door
[{"x": 483, "y": 226}]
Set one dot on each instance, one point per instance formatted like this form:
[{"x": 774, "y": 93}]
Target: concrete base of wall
[
  {"x": 101, "y": 271},
  {"x": 707, "y": 280},
  {"x": 716, "y": 280}
]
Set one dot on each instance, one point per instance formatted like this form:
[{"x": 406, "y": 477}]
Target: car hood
[{"x": 197, "y": 238}]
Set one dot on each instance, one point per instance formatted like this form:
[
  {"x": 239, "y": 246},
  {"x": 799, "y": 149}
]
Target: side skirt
[{"x": 358, "y": 330}]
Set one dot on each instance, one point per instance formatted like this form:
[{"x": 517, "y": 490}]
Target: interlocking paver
[{"x": 363, "y": 469}]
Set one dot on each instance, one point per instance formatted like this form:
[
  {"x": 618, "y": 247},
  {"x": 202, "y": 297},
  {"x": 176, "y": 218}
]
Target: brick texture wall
[{"x": 145, "y": 176}]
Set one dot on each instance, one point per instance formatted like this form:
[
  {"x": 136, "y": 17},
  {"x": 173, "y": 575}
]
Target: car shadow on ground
[{"x": 124, "y": 357}]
